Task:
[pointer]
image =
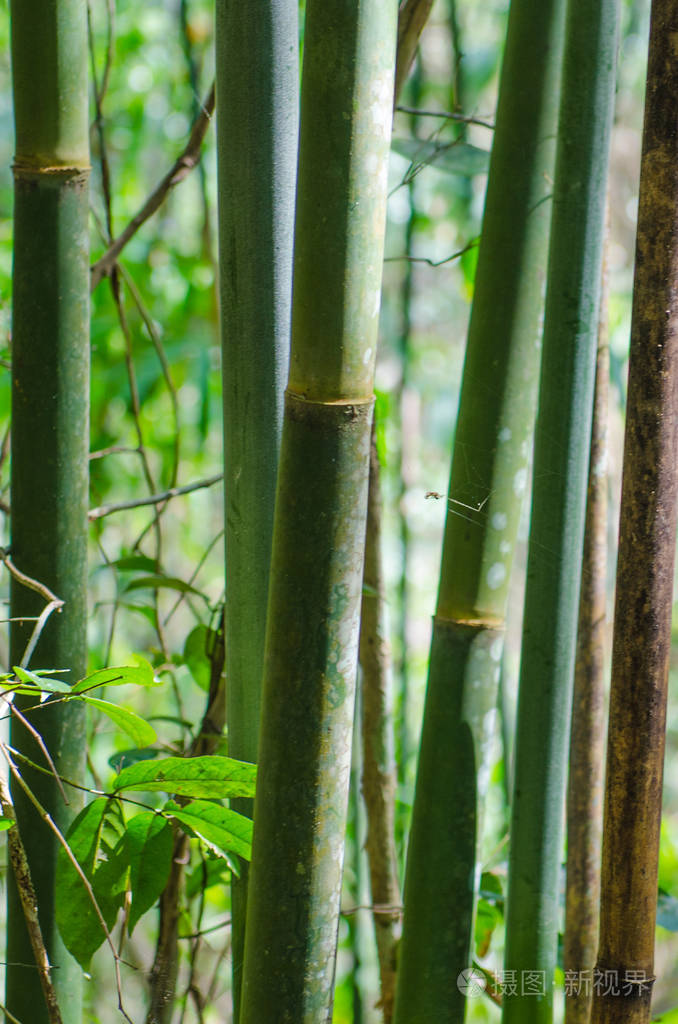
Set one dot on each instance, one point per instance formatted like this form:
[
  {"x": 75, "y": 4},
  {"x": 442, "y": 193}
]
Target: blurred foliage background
[{"x": 156, "y": 572}]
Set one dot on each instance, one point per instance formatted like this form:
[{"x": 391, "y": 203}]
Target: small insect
[{"x": 434, "y": 494}]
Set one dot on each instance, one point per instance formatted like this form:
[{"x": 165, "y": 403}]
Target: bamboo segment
[
  {"x": 562, "y": 440},
  {"x": 642, "y": 623},
  {"x": 378, "y": 757},
  {"x": 587, "y": 742},
  {"x": 319, "y": 532},
  {"x": 50, "y": 424},
  {"x": 257, "y": 98},
  {"x": 488, "y": 479}
]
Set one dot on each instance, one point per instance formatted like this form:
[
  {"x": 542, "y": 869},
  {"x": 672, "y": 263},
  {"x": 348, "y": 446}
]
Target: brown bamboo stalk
[
  {"x": 587, "y": 741},
  {"x": 379, "y": 778},
  {"x": 642, "y": 629}
]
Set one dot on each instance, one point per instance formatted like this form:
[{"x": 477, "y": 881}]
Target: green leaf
[
  {"x": 141, "y": 674},
  {"x": 131, "y": 756},
  {"x": 150, "y": 843},
  {"x": 6, "y": 823},
  {"x": 127, "y": 721},
  {"x": 76, "y": 918},
  {"x": 210, "y": 776},
  {"x": 133, "y": 563},
  {"x": 221, "y": 828},
  {"x": 157, "y": 582},
  {"x": 451, "y": 157},
  {"x": 38, "y": 680},
  {"x": 195, "y": 655}
]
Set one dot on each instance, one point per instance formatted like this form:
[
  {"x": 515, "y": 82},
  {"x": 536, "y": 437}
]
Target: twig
[
  {"x": 153, "y": 499},
  {"x": 434, "y": 263},
  {"x": 81, "y": 874},
  {"x": 54, "y": 603},
  {"x": 29, "y": 905},
  {"x": 114, "y": 449},
  {"x": 180, "y": 169},
  {"x": 41, "y": 744},
  {"x": 446, "y": 115},
  {"x": 10, "y": 1016}
]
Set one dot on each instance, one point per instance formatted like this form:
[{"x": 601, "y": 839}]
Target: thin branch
[
  {"x": 446, "y": 115},
  {"x": 434, "y": 263},
  {"x": 114, "y": 449},
  {"x": 16, "y": 774},
  {"x": 154, "y": 499},
  {"x": 29, "y": 905},
  {"x": 54, "y": 603},
  {"x": 41, "y": 744},
  {"x": 180, "y": 169}
]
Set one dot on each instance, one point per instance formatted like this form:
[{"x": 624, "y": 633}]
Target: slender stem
[
  {"x": 561, "y": 457},
  {"x": 642, "y": 620},
  {"x": 50, "y": 427},
  {"x": 488, "y": 474},
  {"x": 587, "y": 741}
]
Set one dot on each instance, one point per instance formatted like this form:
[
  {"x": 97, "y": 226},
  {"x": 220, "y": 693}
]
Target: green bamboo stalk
[
  {"x": 50, "y": 422},
  {"x": 319, "y": 534},
  {"x": 562, "y": 440},
  {"x": 587, "y": 742},
  {"x": 488, "y": 475},
  {"x": 257, "y": 101},
  {"x": 642, "y": 622}
]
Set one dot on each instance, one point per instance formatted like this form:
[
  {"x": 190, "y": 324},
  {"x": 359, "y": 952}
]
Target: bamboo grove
[{"x": 312, "y": 803}]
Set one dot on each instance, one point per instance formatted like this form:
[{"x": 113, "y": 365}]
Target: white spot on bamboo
[
  {"x": 499, "y": 520},
  {"x": 519, "y": 482},
  {"x": 496, "y": 575}
]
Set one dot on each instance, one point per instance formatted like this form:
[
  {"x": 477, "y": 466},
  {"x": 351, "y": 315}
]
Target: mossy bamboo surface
[
  {"x": 488, "y": 478},
  {"x": 319, "y": 531},
  {"x": 642, "y": 622},
  {"x": 561, "y": 456},
  {"x": 257, "y": 104},
  {"x": 587, "y": 742},
  {"x": 50, "y": 382}
]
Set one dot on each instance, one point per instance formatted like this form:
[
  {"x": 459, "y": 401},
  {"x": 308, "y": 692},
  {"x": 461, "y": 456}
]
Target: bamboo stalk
[
  {"x": 642, "y": 621},
  {"x": 50, "y": 423},
  {"x": 319, "y": 534},
  {"x": 586, "y": 777},
  {"x": 562, "y": 441},
  {"x": 257, "y": 99},
  {"x": 489, "y": 470},
  {"x": 378, "y": 756}
]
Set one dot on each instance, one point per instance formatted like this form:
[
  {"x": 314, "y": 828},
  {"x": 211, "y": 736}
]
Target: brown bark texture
[
  {"x": 587, "y": 742},
  {"x": 642, "y": 631}
]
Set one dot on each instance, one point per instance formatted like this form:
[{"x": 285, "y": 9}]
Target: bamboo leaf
[
  {"x": 195, "y": 655},
  {"x": 122, "y": 758},
  {"x": 210, "y": 777},
  {"x": 35, "y": 679},
  {"x": 452, "y": 158},
  {"x": 157, "y": 582},
  {"x": 221, "y": 828},
  {"x": 6, "y": 824},
  {"x": 78, "y": 924},
  {"x": 138, "y": 729},
  {"x": 149, "y": 845},
  {"x": 141, "y": 674}
]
